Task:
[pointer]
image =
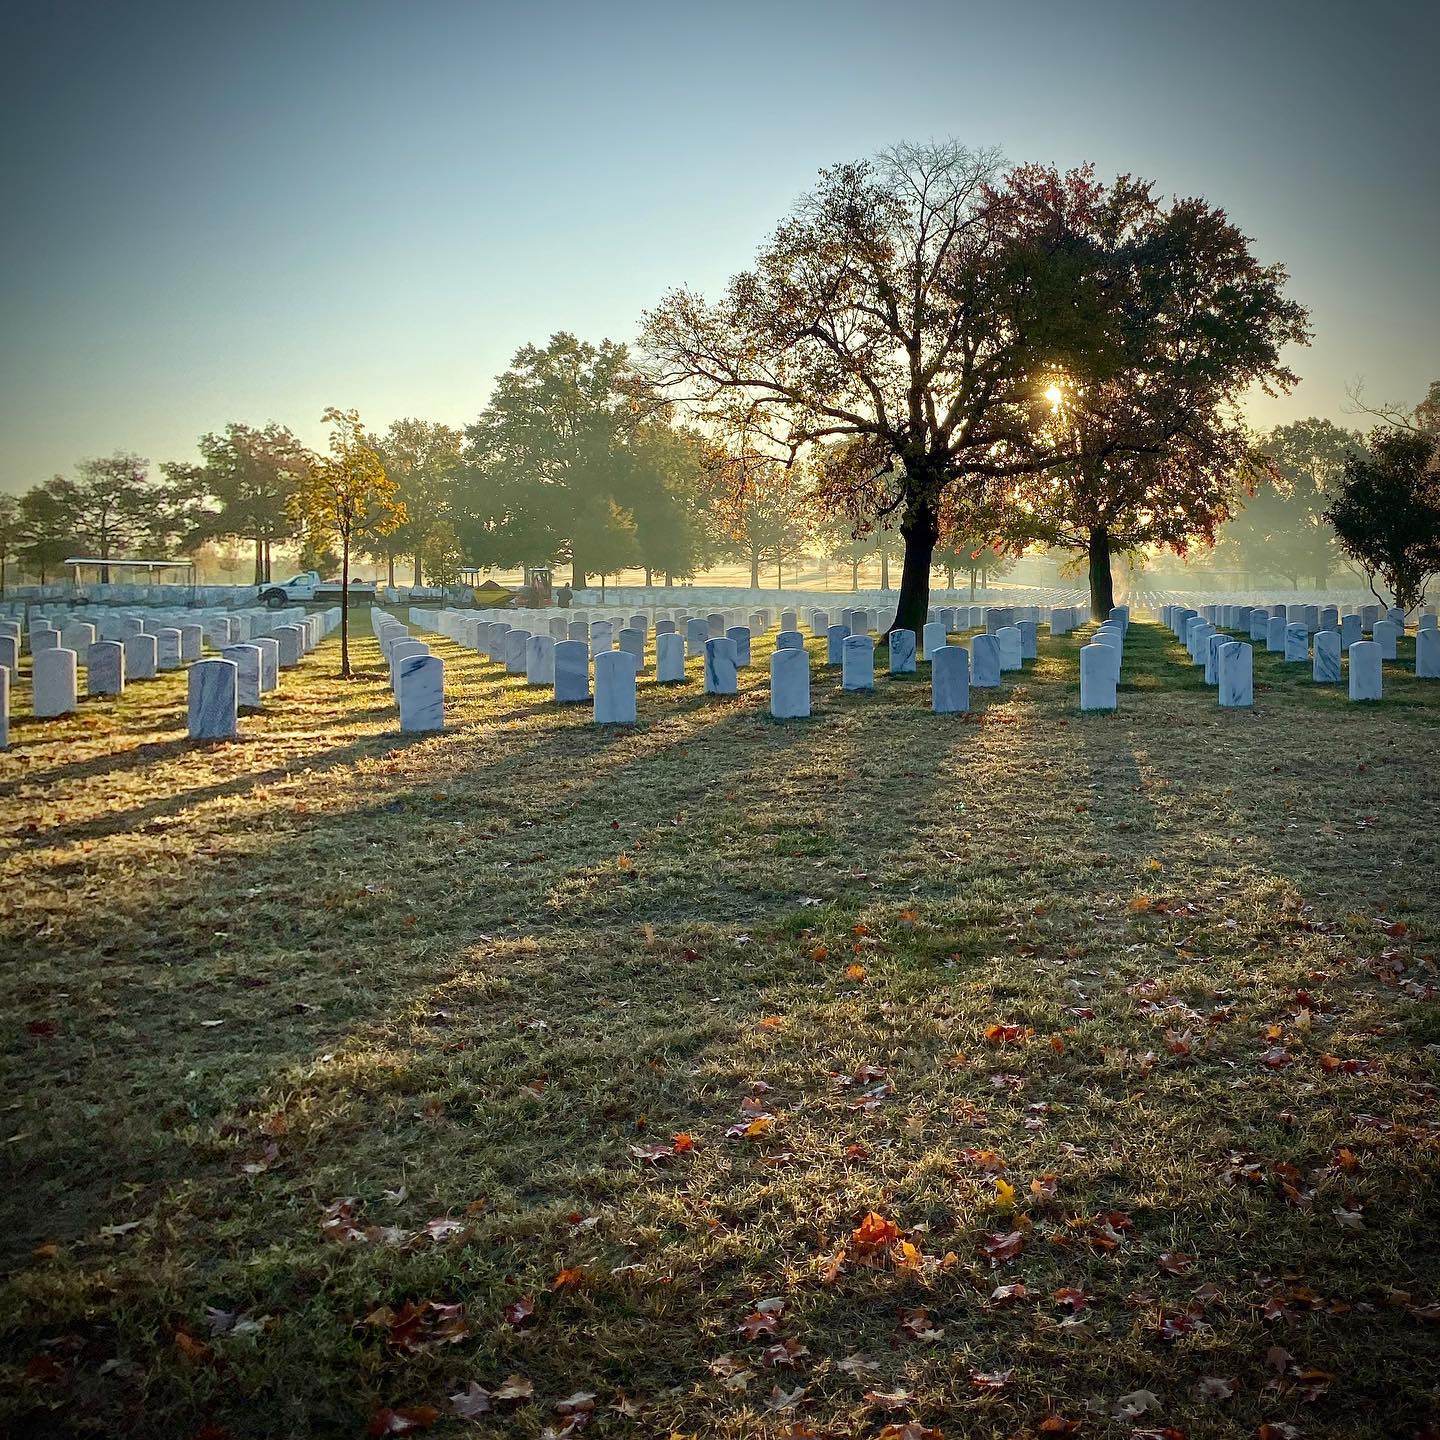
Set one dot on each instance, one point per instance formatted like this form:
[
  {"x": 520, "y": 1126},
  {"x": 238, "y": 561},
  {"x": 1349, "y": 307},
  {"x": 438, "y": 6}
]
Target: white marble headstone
[
  {"x": 53, "y": 682},
  {"x": 902, "y": 652},
  {"x": 1365, "y": 671},
  {"x": 857, "y": 668},
  {"x": 790, "y": 684},
  {"x": 615, "y": 688},
  {"x": 1097, "y": 677},
  {"x": 421, "y": 693}
]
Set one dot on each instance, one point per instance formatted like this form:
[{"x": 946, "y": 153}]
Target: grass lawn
[{"x": 1024, "y": 1073}]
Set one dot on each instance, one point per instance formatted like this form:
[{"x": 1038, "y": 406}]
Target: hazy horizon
[{"x": 249, "y": 215}]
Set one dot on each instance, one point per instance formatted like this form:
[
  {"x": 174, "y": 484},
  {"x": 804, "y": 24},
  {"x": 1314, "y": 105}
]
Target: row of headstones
[
  {"x": 244, "y": 673},
  {"x": 417, "y": 676},
  {"x": 658, "y": 599},
  {"x": 1102, "y": 658},
  {"x": 60, "y": 595},
  {"x": 1207, "y": 645},
  {"x": 1258, "y": 620},
  {"x": 253, "y": 666},
  {"x": 1291, "y": 604},
  {"x": 575, "y": 624},
  {"x": 77, "y": 630}
]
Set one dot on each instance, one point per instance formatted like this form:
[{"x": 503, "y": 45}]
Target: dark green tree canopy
[{"x": 1386, "y": 512}]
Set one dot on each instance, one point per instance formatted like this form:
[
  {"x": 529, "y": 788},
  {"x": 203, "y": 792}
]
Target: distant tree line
[{"x": 935, "y": 363}]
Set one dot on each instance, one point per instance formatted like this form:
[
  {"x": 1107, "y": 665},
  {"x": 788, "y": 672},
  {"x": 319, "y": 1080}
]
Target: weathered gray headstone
[
  {"x": 105, "y": 668},
  {"x": 1427, "y": 654},
  {"x": 287, "y": 637},
  {"x": 1325, "y": 668},
  {"x": 1236, "y": 674},
  {"x": 167, "y": 648},
  {"x": 246, "y": 659},
  {"x": 540, "y": 660},
  {"x": 79, "y": 636},
  {"x": 949, "y": 680},
  {"x": 632, "y": 642},
  {"x": 211, "y": 700},
  {"x": 720, "y": 676},
  {"x": 902, "y": 652},
  {"x": 269, "y": 648},
  {"x": 141, "y": 658},
  {"x": 984, "y": 662},
  {"x": 572, "y": 671}
]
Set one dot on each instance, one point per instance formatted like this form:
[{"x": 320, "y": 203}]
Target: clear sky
[{"x": 249, "y": 211}]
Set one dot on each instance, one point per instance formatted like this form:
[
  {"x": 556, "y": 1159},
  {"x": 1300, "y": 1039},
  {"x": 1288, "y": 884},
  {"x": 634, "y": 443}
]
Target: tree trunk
[
  {"x": 855, "y": 576},
  {"x": 921, "y": 529},
  {"x": 754, "y": 572},
  {"x": 345, "y": 605},
  {"x": 649, "y": 577},
  {"x": 1102, "y": 583},
  {"x": 419, "y": 567},
  {"x": 949, "y": 577},
  {"x": 390, "y": 562},
  {"x": 885, "y": 571},
  {"x": 268, "y": 576},
  {"x": 259, "y": 560},
  {"x": 578, "y": 576}
]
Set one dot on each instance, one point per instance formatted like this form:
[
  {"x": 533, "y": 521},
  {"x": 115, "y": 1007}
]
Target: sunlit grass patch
[{"x": 1120, "y": 1022}]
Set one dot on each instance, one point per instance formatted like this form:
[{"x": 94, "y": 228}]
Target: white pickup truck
[{"x": 310, "y": 586}]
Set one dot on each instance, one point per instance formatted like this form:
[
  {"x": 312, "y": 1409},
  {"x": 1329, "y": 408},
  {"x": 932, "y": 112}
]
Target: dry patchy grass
[{"x": 275, "y": 1007}]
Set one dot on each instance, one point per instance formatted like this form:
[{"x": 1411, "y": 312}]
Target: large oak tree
[
  {"x": 924, "y": 309},
  {"x": 880, "y": 315},
  {"x": 1168, "y": 319}
]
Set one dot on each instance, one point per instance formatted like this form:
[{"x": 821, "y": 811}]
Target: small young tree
[
  {"x": 1387, "y": 512},
  {"x": 444, "y": 557},
  {"x": 344, "y": 496}
]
